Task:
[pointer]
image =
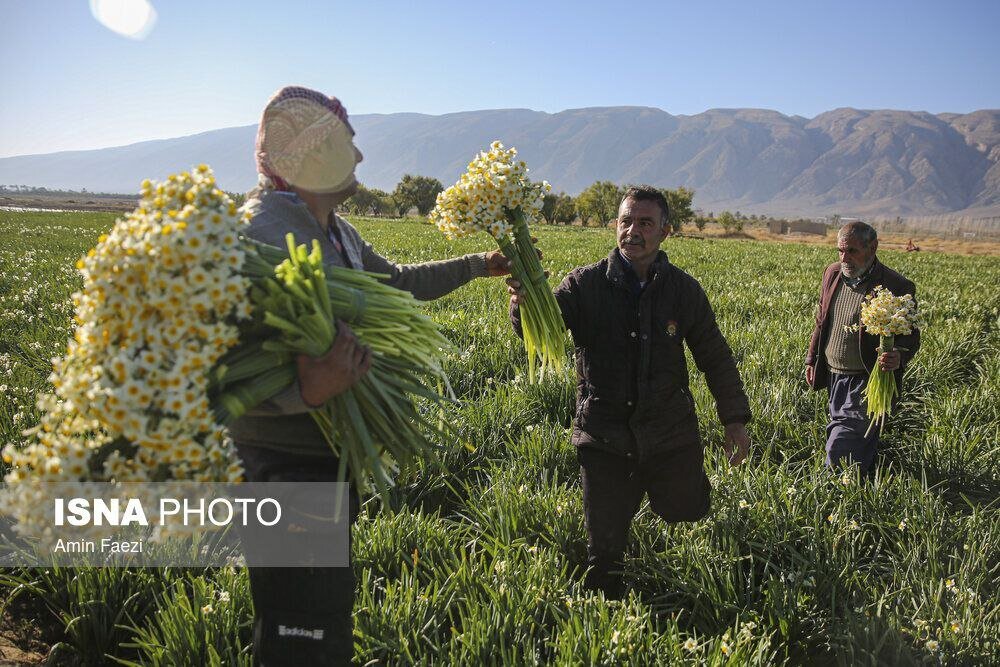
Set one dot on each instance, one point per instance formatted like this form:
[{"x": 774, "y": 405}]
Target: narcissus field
[{"x": 482, "y": 562}]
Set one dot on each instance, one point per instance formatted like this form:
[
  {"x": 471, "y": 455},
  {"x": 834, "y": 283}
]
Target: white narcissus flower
[
  {"x": 883, "y": 314},
  {"x": 495, "y": 195},
  {"x": 495, "y": 181},
  {"x": 161, "y": 292}
]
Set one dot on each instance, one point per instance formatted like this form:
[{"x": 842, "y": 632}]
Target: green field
[{"x": 483, "y": 565}]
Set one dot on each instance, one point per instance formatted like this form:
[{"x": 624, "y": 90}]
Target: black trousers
[
  {"x": 302, "y": 615},
  {"x": 613, "y": 488}
]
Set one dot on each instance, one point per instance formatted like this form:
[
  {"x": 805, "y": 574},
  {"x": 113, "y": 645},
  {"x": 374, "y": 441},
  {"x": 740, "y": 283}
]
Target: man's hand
[
  {"x": 889, "y": 361},
  {"x": 810, "y": 374},
  {"x": 737, "y": 443},
  {"x": 497, "y": 264},
  {"x": 515, "y": 291},
  {"x": 322, "y": 378}
]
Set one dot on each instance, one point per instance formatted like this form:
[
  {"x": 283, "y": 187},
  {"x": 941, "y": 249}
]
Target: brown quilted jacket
[{"x": 867, "y": 343}]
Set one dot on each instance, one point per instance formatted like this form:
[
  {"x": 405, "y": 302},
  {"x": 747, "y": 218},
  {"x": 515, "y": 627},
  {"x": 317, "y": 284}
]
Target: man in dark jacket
[
  {"x": 636, "y": 431},
  {"x": 840, "y": 360}
]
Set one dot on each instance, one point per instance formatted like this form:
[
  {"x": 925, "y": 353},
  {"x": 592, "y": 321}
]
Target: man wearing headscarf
[{"x": 306, "y": 159}]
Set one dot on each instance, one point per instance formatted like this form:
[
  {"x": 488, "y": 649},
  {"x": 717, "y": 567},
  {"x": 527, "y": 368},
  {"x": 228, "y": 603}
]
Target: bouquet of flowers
[
  {"x": 495, "y": 196},
  {"x": 183, "y": 325},
  {"x": 886, "y": 316}
]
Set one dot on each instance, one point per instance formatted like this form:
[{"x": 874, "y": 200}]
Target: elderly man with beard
[
  {"x": 840, "y": 360},
  {"x": 636, "y": 431}
]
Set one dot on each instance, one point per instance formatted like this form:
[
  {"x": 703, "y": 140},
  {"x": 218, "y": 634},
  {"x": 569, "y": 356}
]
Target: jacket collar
[
  {"x": 288, "y": 205},
  {"x": 873, "y": 277},
  {"x": 620, "y": 272}
]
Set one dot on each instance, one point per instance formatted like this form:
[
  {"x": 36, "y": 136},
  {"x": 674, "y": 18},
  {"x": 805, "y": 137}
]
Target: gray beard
[{"x": 859, "y": 276}]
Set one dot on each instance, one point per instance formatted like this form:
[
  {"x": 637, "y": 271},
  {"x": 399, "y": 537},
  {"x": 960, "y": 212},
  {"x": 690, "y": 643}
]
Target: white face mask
[{"x": 308, "y": 146}]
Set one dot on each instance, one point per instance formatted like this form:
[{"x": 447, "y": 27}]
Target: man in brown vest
[{"x": 841, "y": 360}]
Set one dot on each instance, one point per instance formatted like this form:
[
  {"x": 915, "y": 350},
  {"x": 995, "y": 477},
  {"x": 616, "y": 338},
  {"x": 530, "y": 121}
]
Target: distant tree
[
  {"x": 549, "y": 203},
  {"x": 390, "y": 207},
  {"x": 416, "y": 191},
  {"x": 565, "y": 210},
  {"x": 600, "y": 200},
  {"x": 366, "y": 202},
  {"x": 729, "y": 222},
  {"x": 679, "y": 203},
  {"x": 700, "y": 221}
]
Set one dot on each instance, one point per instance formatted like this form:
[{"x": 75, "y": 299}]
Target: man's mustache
[{"x": 633, "y": 240}]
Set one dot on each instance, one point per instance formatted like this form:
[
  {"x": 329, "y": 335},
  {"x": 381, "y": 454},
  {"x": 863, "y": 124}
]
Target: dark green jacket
[{"x": 632, "y": 377}]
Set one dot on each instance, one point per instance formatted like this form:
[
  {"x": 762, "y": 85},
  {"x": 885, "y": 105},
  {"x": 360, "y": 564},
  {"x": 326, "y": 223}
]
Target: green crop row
[{"x": 482, "y": 563}]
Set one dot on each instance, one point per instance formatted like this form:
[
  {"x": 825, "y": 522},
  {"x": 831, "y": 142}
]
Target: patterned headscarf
[{"x": 304, "y": 139}]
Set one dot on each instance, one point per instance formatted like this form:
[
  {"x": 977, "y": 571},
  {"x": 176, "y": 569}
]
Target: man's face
[
  {"x": 640, "y": 230},
  {"x": 855, "y": 258}
]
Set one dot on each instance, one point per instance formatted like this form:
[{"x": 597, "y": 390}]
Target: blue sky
[{"x": 69, "y": 83}]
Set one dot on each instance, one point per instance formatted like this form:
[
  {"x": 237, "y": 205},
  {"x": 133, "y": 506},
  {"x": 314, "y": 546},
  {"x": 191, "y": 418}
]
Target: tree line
[
  {"x": 39, "y": 190},
  {"x": 596, "y": 205}
]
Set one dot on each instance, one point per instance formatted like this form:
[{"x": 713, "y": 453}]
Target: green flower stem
[
  {"x": 881, "y": 390},
  {"x": 247, "y": 366},
  {"x": 542, "y": 324},
  {"x": 296, "y": 303},
  {"x": 242, "y": 396}
]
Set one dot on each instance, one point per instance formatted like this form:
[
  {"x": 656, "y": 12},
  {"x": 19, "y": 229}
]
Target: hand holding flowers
[
  {"x": 322, "y": 378},
  {"x": 886, "y": 316},
  {"x": 495, "y": 195},
  {"x": 890, "y": 361}
]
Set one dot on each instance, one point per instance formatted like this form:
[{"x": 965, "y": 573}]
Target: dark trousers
[
  {"x": 302, "y": 615},
  {"x": 613, "y": 488},
  {"x": 846, "y": 442}
]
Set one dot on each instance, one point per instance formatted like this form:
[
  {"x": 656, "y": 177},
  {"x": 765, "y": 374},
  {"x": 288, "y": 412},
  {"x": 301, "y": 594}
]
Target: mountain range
[{"x": 845, "y": 161}]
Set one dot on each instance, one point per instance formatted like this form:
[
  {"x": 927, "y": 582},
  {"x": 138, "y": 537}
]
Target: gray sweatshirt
[{"x": 283, "y": 422}]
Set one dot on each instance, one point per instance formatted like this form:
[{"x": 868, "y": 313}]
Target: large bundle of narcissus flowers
[
  {"x": 886, "y": 316},
  {"x": 495, "y": 196},
  {"x": 183, "y": 325}
]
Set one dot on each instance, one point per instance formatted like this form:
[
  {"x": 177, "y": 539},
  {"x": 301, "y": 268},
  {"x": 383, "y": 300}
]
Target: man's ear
[{"x": 874, "y": 246}]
